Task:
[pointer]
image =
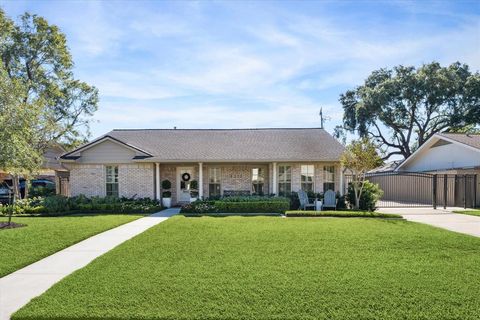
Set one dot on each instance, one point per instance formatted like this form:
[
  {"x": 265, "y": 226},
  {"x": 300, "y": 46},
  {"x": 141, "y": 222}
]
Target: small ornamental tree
[
  {"x": 360, "y": 156},
  {"x": 166, "y": 185}
]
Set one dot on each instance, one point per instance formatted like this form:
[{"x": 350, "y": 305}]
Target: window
[
  {"x": 258, "y": 180},
  {"x": 284, "y": 180},
  {"x": 307, "y": 174},
  {"x": 214, "y": 182},
  {"x": 328, "y": 178},
  {"x": 112, "y": 181}
]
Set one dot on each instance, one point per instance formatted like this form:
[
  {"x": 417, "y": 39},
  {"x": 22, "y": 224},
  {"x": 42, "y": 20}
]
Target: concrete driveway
[{"x": 442, "y": 218}]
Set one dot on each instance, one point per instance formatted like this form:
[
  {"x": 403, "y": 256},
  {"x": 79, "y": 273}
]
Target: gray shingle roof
[
  {"x": 292, "y": 144},
  {"x": 472, "y": 140}
]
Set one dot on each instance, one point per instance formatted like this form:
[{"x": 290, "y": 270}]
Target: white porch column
[
  {"x": 200, "y": 180},
  {"x": 157, "y": 181},
  {"x": 274, "y": 183},
  {"x": 342, "y": 181}
]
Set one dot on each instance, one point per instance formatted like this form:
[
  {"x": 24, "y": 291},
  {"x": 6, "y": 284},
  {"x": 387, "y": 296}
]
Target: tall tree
[
  {"x": 35, "y": 53},
  {"x": 40, "y": 100},
  {"x": 18, "y": 153},
  {"x": 359, "y": 157},
  {"x": 403, "y": 107}
]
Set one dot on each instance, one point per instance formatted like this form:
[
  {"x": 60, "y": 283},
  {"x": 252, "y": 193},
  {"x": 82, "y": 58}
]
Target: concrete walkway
[
  {"x": 442, "y": 218},
  {"x": 19, "y": 287}
]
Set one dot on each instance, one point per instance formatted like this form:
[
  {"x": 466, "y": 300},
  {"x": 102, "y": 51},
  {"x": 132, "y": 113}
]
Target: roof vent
[{"x": 174, "y": 128}]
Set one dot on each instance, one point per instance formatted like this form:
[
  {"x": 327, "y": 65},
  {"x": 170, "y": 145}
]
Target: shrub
[
  {"x": 341, "y": 204},
  {"x": 23, "y": 206},
  {"x": 61, "y": 205},
  {"x": 370, "y": 196},
  {"x": 194, "y": 185},
  {"x": 40, "y": 191},
  {"x": 294, "y": 201},
  {"x": 199, "y": 206},
  {"x": 166, "y": 194},
  {"x": 166, "y": 184},
  {"x": 56, "y": 204},
  {"x": 238, "y": 205},
  {"x": 252, "y": 207}
]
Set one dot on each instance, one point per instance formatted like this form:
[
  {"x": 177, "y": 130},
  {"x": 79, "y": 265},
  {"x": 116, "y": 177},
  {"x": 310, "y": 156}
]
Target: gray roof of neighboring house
[
  {"x": 472, "y": 140},
  {"x": 386, "y": 167},
  {"x": 288, "y": 144}
]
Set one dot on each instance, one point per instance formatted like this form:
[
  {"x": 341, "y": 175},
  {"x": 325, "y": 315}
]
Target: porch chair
[
  {"x": 329, "y": 200},
  {"x": 304, "y": 201}
]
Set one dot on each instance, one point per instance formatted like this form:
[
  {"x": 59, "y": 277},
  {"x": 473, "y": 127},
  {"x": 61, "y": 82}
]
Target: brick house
[{"x": 133, "y": 162}]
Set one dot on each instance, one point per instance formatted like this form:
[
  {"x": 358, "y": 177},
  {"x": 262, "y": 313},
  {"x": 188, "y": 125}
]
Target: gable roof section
[
  {"x": 470, "y": 141},
  {"x": 73, "y": 155},
  {"x": 278, "y": 144}
]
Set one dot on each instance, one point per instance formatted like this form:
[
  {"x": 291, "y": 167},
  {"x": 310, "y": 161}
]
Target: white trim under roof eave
[
  {"x": 458, "y": 142},
  {"x": 437, "y": 136},
  {"x": 230, "y": 161}
]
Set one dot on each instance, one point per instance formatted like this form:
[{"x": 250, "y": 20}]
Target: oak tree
[{"x": 401, "y": 108}]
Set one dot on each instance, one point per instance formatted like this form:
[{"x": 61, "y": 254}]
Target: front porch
[{"x": 220, "y": 179}]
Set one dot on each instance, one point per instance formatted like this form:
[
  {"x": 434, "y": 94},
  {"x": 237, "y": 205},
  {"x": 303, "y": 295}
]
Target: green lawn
[
  {"x": 46, "y": 235},
  {"x": 275, "y": 268},
  {"x": 340, "y": 213},
  {"x": 470, "y": 212}
]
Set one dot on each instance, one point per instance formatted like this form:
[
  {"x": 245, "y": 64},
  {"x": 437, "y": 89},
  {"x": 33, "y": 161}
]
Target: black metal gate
[{"x": 413, "y": 189}]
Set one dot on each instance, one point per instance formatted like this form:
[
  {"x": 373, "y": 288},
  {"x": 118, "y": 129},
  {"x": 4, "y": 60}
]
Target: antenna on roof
[{"x": 322, "y": 118}]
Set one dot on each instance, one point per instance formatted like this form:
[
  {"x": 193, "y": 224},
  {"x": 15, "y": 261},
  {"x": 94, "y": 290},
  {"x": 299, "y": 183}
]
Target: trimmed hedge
[
  {"x": 238, "y": 205},
  {"x": 252, "y": 207},
  {"x": 347, "y": 214}
]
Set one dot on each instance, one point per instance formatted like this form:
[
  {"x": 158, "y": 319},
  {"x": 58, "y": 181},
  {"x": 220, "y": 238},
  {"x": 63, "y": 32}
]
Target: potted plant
[
  {"x": 166, "y": 194},
  {"x": 193, "y": 190}
]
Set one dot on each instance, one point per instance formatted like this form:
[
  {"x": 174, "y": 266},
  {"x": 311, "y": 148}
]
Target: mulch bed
[{"x": 4, "y": 225}]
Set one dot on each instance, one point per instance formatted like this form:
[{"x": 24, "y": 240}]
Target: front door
[{"x": 184, "y": 178}]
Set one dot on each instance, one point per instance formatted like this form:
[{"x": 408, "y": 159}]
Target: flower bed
[
  {"x": 345, "y": 214},
  {"x": 59, "y": 205}
]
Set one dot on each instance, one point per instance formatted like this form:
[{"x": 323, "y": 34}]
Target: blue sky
[{"x": 247, "y": 64}]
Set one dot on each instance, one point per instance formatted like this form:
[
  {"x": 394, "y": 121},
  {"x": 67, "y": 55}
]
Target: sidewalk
[{"x": 19, "y": 287}]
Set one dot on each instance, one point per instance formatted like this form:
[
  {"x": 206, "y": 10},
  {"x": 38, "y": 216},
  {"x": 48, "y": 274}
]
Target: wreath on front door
[{"x": 186, "y": 176}]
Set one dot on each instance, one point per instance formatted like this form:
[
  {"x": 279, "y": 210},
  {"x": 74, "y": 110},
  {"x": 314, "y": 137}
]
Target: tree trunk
[
  {"x": 356, "y": 192},
  {"x": 357, "y": 202},
  {"x": 27, "y": 182},
  {"x": 16, "y": 187},
  {"x": 10, "y": 217}
]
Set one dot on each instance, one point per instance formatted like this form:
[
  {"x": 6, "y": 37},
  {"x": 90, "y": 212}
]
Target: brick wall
[
  {"x": 133, "y": 179},
  {"x": 136, "y": 180},
  {"x": 87, "y": 179}
]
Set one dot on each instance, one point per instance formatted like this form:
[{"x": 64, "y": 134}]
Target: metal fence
[{"x": 413, "y": 189}]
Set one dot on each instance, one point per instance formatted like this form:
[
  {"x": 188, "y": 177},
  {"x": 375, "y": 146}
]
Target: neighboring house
[
  {"x": 451, "y": 153},
  {"x": 455, "y": 159},
  {"x": 386, "y": 167},
  {"x": 257, "y": 161},
  {"x": 51, "y": 169}
]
